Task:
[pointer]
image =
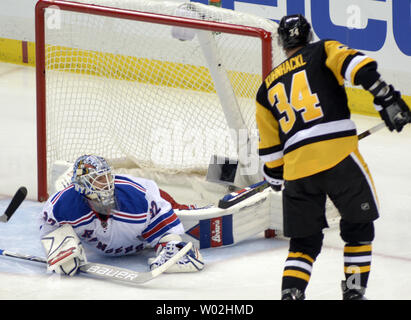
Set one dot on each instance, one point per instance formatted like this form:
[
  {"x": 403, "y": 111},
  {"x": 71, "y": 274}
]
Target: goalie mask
[
  {"x": 93, "y": 178},
  {"x": 294, "y": 31}
]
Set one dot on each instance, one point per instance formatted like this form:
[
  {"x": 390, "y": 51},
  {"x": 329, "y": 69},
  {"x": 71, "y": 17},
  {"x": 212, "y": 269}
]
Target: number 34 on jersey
[{"x": 301, "y": 99}]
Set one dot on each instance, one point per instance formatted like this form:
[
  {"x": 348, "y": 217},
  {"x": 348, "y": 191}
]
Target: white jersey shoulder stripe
[
  {"x": 354, "y": 62},
  {"x": 87, "y": 218},
  {"x": 137, "y": 218},
  {"x": 321, "y": 129},
  {"x": 127, "y": 182},
  {"x": 338, "y": 126},
  {"x": 272, "y": 156},
  {"x": 59, "y": 194}
]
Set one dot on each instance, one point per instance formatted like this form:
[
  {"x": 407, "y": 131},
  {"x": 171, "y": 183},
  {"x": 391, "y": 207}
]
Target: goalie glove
[
  {"x": 64, "y": 251},
  {"x": 392, "y": 108},
  {"x": 167, "y": 247}
]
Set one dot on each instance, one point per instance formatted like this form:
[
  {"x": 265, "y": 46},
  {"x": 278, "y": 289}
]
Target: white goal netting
[{"x": 143, "y": 94}]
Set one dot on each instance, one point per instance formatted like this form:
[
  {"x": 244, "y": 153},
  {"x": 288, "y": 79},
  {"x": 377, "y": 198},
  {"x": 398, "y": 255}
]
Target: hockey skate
[
  {"x": 352, "y": 294},
  {"x": 292, "y": 294}
]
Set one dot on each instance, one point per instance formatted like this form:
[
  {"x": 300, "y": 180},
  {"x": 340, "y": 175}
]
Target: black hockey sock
[
  {"x": 357, "y": 264},
  {"x": 297, "y": 271},
  {"x": 300, "y": 259}
]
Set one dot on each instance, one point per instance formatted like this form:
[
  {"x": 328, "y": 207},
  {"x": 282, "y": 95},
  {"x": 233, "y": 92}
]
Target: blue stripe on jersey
[
  {"x": 160, "y": 226},
  {"x": 83, "y": 221},
  {"x": 59, "y": 193},
  {"x": 130, "y": 196},
  {"x": 125, "y": 180},
  {"x": 55, "y": 195},
  {"x": 163, "y": 230},
  {"x": 128, "y": 218},
  {"x": 70, "y": 206}
]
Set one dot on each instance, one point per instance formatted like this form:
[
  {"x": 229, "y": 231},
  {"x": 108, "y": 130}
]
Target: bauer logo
[{"x": 109, "y": 272}]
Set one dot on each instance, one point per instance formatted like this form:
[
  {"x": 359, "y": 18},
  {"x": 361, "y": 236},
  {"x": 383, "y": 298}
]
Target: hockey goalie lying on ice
[
  {"x": 122, "y": 214},
  {"x": 113, "y": 215}
]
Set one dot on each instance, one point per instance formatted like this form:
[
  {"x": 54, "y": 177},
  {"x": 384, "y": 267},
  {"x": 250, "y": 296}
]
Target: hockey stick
[
  {"x": 405, "y": 115},
  {"x": 366, "y": 133},
  {"x": 235, "y": 197},
  {"x": 16, "y": 201},
  {"x": 107, "y": 272}
]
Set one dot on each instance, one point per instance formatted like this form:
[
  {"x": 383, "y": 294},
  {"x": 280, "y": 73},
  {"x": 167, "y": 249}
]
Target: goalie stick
[
  {"x": 107, "y": 272},
  {"x": 235, "y": 197},
  {"x": 16, "y": 201}
]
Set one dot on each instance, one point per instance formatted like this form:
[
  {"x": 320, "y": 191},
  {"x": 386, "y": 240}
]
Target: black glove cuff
[
  {"x": 275, "y": 173},
  {"x": 377, "y": 87},
  {"x": 388, "y": 99}
]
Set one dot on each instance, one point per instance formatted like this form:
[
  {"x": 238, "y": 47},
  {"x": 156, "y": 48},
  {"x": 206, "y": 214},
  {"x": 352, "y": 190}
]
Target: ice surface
[{"x": 251, "y": 270}]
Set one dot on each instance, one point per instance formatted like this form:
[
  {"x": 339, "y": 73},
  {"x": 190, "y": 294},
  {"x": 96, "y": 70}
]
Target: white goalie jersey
[{"x": 141, "y": 217}]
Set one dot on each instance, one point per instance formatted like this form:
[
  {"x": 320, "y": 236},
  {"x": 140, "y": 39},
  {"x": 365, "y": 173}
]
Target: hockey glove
[
  {"x": 274, "y": 176},
  {"x": 167, "y": 247},
  {"x": 64, "y": 251},
  {"x": 393, "y": 109}
]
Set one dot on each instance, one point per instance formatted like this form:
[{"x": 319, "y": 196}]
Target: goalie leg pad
[
  {"x": 64, "y": 251},
  {"x": 167, "y": 247}
]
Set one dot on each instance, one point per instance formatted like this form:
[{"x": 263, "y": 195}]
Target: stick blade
[
  {"x": 231, "y": 199},
  {"x": 16, "y": 201}
]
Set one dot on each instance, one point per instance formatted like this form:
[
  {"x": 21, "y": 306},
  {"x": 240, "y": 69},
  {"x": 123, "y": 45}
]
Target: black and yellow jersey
[{"x": 302, "y": 111}]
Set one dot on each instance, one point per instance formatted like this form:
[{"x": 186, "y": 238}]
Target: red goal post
[{"x": 42, "y": 165}]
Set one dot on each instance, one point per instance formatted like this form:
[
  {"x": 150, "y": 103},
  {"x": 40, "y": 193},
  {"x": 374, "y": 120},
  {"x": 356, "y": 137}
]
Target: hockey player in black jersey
[{"x": 309, "y": 143}]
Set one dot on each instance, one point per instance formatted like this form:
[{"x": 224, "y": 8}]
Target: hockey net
[{"x": 153, "y": 86}]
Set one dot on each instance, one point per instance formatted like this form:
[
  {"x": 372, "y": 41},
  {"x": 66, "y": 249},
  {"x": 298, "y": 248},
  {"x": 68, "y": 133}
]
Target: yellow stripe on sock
[
  {"x": 300, "y": 255},
  {"x": 356, "y": 269},
  {"x": 356, "y": 249},
  {"x": 296, "y": 274}
]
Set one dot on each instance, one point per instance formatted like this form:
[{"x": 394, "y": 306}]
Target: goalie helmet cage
[{"x": 62, "y": 96}]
